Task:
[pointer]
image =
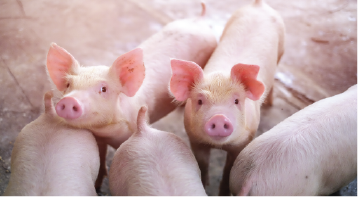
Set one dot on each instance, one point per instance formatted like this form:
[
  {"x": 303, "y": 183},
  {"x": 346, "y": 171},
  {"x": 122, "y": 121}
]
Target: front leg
[
  {"x": 102, "y": 148},
  {"x": 224, "y": 185},
  {"x": 114, "y": 135},
  {"x": 269, "y": 99},
  {"x": 202, "y": 156}
]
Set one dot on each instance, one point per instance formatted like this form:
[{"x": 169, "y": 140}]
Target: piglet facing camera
[
  {"x": 106, "y": 100},
  {"x": 223, "y": 100}
]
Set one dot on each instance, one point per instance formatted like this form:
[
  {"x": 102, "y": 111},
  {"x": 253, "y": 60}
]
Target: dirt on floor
[{"x": 320, "y": 57}]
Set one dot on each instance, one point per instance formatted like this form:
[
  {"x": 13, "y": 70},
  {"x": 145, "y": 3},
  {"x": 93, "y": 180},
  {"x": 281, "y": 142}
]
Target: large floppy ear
[
  {"x": 184, "y": 75},
  {"x": 246, "y": 74},
  {"x": 129, "y": 69},
  {"x": 59, "y": 64}
]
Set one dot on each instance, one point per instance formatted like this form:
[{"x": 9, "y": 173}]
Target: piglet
[
  {"x": 106, "y": 100},
  {"x": 223, "y": 102},
  {"x": 50, "y": 158},
  {"x": 313, "y": 152},
  {"x": 154, "y": 163}
]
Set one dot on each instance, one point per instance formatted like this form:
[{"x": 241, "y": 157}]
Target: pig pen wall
[{"x": 320, "y": 57}]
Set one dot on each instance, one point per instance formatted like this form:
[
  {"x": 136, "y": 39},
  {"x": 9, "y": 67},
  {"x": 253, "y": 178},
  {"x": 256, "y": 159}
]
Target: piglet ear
[
  {"x": 59, "y": 64},
  {"x": 184, "y": 75},
  {"x": 129, "y": 69},
  {"x": 246, "y": 74}
]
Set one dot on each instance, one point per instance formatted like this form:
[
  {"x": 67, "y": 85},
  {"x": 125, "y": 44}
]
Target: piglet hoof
[
  {"x": 98, "y": 191},
  {"x": 224, "y": 192}
]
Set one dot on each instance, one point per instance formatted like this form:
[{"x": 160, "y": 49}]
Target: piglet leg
[
  {"x": 102, "y": 148},
  {"x": 225, "y": 185},
  {"x": 268, "y": 100},
  {"x": 202, "y": 155}
]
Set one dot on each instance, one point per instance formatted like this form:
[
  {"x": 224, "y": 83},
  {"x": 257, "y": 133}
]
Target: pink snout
[
  {"x": 219, "y": 126},
  {"x": 69, "y": 108}
]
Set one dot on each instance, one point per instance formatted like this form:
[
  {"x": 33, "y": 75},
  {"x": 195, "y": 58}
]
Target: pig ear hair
[
  {"x": 247, "y": 74},
  {"x": 130, "y": 70},
  {"x": 141, "y": 119},
  {"x": 184, "y": 76},
  {"x": 60, "y": 63}
]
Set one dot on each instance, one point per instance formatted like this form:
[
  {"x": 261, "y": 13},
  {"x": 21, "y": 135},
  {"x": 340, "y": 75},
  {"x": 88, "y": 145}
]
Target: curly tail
[
  {"x": 141, "y": 119},
  {"x": 258, "y": 2},
  {"x": 203, "y": 8},
  {"x": 49, "y": 108}
]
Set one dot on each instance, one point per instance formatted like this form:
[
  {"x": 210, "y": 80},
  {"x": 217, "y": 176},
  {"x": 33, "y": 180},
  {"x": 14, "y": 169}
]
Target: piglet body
[
  {"x": 153, "y": 162},
  {"x": 223, "y": 100},
  {"x": 106, "y": 100},
  {"x": 50, "y": 158},
  {"x": 313, "y": 152}
]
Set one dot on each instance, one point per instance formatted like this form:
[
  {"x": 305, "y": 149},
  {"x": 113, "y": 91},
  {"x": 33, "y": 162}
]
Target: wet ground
[{"x": 320, "y": 57}]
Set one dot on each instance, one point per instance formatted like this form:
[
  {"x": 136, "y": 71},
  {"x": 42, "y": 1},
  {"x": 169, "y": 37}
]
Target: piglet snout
[
  {"x": 219, "y": 126},
  {"x": 69, "y": 108}
]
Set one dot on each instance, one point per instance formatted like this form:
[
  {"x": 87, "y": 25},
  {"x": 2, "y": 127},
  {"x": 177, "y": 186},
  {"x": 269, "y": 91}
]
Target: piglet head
[
  {"x": 91, "y": 94},
  {"x": 215, "y": 103}
]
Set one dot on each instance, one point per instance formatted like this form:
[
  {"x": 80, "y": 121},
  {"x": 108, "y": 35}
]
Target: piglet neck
[{"x": 128, "y": 108}]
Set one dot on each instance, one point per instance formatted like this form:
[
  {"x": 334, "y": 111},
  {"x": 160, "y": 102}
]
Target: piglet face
[
  {"x": 215, "y": 109},
  {"x": 89, "y": 98},
  {"x": 91, "y": 94}
]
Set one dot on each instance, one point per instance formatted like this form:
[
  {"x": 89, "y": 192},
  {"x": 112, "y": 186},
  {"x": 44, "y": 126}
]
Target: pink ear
[
  {"x": 247, "y": 74},
  {"x": 59, "y": 63},
  {"x": 130, "y": 70},
  {"x": 184, "y": 74}
]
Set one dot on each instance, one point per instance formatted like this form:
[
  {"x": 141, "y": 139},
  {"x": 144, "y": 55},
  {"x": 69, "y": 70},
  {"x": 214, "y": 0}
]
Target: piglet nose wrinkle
[
  {"x": 68, "y": 108},
  {"x": 219, "y": 126}
]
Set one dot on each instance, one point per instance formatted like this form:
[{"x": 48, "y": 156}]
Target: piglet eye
[
  {"x": 236, "y": 101},
  {"x": 103, "y": 89},
  {"x": 200, "y": 102},
  {"x": 68, "y": 85}
]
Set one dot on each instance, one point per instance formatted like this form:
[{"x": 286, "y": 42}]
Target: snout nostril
[
  {"x": 63, "y": 107},
  {"x": 74, "y": 108},
  {"x": 226, "y": 126},
  {"x": 213, "y": 126}
]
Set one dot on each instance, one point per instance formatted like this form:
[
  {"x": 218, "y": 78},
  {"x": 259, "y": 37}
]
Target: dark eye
[
  {"x": 200, "y": 102},
  {"x": 236, "y": 101},
  {"x": 68, "y": 85},
  {"x": 103, "y": 89}
]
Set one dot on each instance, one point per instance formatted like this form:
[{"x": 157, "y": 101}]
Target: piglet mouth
[{"x": 218, "y": 138}]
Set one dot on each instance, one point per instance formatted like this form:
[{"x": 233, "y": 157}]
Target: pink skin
[
  {"x": 311, "y": 153},
  {"x": 216, "y": 118},
  {"x": 90, "y": 95},
  {"x": 127, "y": 71},
  {"x": 154, "y": 163},
  {"x": 234, "y": 83},
  {"x": 110, "y": 97},
  {"x": 47, "y": 152}
]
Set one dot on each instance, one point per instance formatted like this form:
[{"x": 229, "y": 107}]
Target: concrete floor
[{"x": 320, "y": 57}]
